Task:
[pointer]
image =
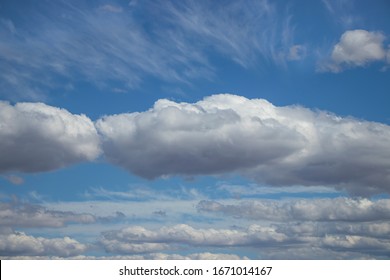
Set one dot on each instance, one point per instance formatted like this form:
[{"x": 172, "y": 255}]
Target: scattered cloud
[
  {"x": 313, "y": 240},
  {"x": 19, "y": 243},
  {"x": 356, "y": 48},
  {"x": 138, "y": 239},
  {"x": 336, "y": 209},
  {"x": 37, "y": 137},
  {"x": 282, "y": 146},
  {"x": 24, "y": 215}
]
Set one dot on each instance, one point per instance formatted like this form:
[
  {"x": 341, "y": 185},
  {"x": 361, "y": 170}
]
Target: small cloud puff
[{"x": 356, "y": 48}]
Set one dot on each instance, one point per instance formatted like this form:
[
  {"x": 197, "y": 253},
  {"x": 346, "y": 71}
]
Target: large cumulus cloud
[
  {"x": 224, "y": 133},
  {"x": 36, "y": 137}
]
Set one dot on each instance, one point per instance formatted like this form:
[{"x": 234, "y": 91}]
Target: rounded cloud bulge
[
  {"x": 281, "y": 146},
  {"x": 222, "y": 133},
  {"x": 36, "y": 137}
]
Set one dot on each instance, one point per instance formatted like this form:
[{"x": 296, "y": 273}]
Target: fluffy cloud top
[
  {"x": 22, "y": 244},
  {"x": 137, "y": 239},
  {"x": 324, "y": 238},
  {"x": 36, "y": 137},
  {"x": 228, "y": 133},
  {"x": 357, "y": 48}
]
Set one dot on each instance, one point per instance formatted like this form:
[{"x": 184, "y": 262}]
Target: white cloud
[
  {"x": 310, "y": 239},
  {"x": 25, "y": 245},
  {"x": 336, "y": 209},
  {"x": 356, "y": 48},
  {"x": 137, "y": 239},
  {"x": 281, "y": 146},
  {"x": 37, "y": 137}
]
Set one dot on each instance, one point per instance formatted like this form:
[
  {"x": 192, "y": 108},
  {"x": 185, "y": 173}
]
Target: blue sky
[{"x": 195, "y": 129}]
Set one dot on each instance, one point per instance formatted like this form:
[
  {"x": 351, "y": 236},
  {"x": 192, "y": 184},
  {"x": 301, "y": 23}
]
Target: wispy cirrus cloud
[{"x": 70, "y": 43}]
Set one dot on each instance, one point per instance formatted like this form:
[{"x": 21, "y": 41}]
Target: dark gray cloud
[
  {"x": 280, "y": 146},
  {"x": 36, "y": 137}
]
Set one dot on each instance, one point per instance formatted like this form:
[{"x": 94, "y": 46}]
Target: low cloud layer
[
  {"x": 338, "y": 209},
  {"x": 138, "y": 239},
  {"x": 27, "y": 215},
  {"x": 21, "y": 244},
  {"x": 223, "y": 133},
  {"x": 36, "y": 137},
  {"x": 312, "y": 241}
]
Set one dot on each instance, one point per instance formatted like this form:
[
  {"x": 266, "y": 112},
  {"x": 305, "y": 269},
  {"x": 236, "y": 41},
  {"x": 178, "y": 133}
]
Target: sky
[{"x": 195, "y": 129}]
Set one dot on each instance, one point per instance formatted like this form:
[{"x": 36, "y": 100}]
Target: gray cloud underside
[
  {"x": 224, "y": 133},
  {"x": 19, "y": 243},
  {"x": 36, "y": 137},
  {"x": 338, "y": 209},
  {"x": 279, "y": 146},
  {"x": 323, "y": 228},
  {"x": 26, "y": 215},
  {"x": 312, "y": 241}
]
